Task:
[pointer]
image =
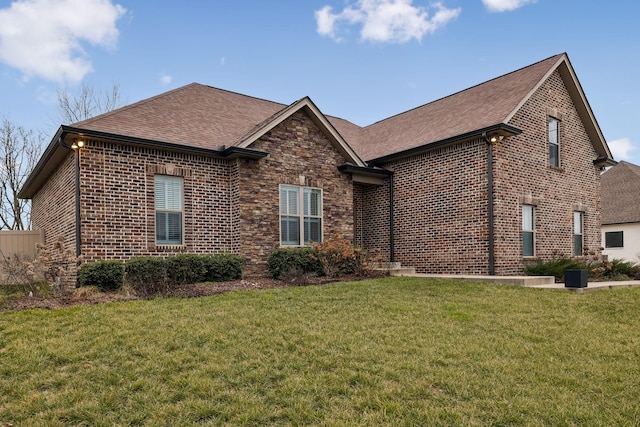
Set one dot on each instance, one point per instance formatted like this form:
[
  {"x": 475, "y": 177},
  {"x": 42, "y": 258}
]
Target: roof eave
[
  {"x": 60, "y": 146},
  {"x": 366, "y": 175},
  {"x": 602, "y": 162},
  {"x": 564, "y": 67},
  {"x": 501, "y": 129}
]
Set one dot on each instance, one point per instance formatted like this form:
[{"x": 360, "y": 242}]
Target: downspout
[
  {"x": 491, "y": 237},
  {"x": 78, "y": 225},
  {"x": 392, "y": 254},
  {"x": 77, "y": 198}
]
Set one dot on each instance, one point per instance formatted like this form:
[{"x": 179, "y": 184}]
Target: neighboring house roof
[
  {"x": 203, "y": 118},
  {"x": 620, "y": 194}
]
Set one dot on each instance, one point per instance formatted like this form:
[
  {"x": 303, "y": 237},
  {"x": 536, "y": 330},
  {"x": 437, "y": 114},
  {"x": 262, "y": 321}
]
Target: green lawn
[{"x": 393, "y": 351}]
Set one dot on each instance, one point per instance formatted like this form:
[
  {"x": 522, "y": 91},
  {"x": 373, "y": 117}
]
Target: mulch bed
[{"x": 77, "y": 297}]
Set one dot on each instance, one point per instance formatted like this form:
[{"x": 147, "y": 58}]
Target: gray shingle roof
[{"x": 621, "y": 194}]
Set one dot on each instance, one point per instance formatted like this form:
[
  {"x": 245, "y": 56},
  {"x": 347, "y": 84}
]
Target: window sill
[
  {"x": 556, "y": 168},
  {"x": 169, "y": 247}
]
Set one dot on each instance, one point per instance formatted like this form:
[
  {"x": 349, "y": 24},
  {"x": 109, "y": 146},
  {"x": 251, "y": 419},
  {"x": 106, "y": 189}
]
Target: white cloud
[
  {"x": 165, "y": 79},
  {"x": 45, "y": 38},
  {"x": 505, "y": 5},
  {"x": 622, "y": 148},
  {"x": 396, "y": 21}
]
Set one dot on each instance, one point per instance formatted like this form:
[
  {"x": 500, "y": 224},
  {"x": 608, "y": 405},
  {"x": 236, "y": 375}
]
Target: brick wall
[
  {"x": 440, "y": 210},
  {"x": 523, "y": 175},
  {"x": 299, "y": 154},
  {"x": 118, "y": 203},
  {"x": 441, "y": 196},
  {"x": 53, "y": 210},
  {"x": 371, "y": 204}
]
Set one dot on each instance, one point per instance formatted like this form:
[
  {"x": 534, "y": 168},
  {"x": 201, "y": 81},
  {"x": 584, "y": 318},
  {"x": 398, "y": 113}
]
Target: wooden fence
[{"x": 20, "y": 242}]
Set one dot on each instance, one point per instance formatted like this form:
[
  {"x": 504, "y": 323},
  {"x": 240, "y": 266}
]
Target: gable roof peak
[{"x": 485, "y": 105}]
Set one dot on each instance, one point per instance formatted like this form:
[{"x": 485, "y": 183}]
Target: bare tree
[
  {"x": 19, "y": 152},
  {"x": 87, "y": 102}
]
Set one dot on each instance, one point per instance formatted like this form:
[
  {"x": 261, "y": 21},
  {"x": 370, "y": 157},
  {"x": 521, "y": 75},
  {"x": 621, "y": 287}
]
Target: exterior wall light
[
  {"x": 77, "y": 143},
  {"x": 496, "y": 138}
]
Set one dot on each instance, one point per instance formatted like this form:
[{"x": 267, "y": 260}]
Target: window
[
  {"x": 554, "y": 142},
  {"x": 613, "y": 239},
  {"x": 300, "y": 215},
  {"x": 578, "y": 227},
  {"x": 528, "y": 231},
  {"x": 168, "y": 192}
]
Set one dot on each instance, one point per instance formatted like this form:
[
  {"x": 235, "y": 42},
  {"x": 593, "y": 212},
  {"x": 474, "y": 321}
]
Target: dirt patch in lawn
[{"x": 88, "y": 296}]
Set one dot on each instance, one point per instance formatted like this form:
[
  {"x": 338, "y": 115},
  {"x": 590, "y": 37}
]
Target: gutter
[
  {"x": 498, "y": 129},
  {"x": 52, "y": 155}
]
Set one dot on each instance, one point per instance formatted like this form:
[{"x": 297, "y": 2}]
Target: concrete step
[
  {"x": 395, "y": 269},
  {"x": 402, "y": 271},
  {"x": 386, "y": 265}
]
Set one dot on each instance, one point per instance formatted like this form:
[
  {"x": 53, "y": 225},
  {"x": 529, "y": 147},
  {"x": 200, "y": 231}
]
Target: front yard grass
[{"x": 392, "y": 351}]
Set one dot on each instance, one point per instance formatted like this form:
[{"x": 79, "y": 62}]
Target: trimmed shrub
[
  {"x": 185, "y": 268},
  {"x": 282, "y": 261},
  {"x": 105, "y": 275},
  {"x": 222, "y": 267},
  {"x": 554, "y": 267},
  {"x": 339, "y": 256},
  {"x": 625, "y": 268},
  {"x": 615, "y": 269},
  {"x": 147, "y": 275}
]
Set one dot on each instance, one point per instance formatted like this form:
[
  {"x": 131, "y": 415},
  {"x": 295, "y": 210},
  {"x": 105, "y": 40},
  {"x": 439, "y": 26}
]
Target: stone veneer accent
[{"x": 299, "y": 154}]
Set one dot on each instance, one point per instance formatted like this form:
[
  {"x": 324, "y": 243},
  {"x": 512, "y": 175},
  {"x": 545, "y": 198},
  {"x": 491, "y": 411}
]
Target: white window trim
[
  {"x": 180, "y": 211},
  {"x": 580, "y": 216},
  {"x": 532, "y": 230},
  {"x": 556, "y": 142},
  {"x": 300, "y": 215}
]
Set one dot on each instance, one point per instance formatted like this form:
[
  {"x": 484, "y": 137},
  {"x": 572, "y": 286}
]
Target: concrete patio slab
[{"x": 542, "y": 282}]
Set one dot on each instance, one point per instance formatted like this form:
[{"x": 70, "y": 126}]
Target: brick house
[
  {"x": 621, "y": 212},
  {"x": 477, "y": 182}
]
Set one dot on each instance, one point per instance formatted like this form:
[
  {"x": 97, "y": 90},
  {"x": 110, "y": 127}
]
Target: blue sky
[{"x": 362, "y": 60}]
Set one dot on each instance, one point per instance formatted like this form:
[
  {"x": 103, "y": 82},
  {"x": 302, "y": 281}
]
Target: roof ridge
[
  {"x": 467, "y": 89},
  {"x": 631, "y": 167},
  {"x": 242, "y": 94}
]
